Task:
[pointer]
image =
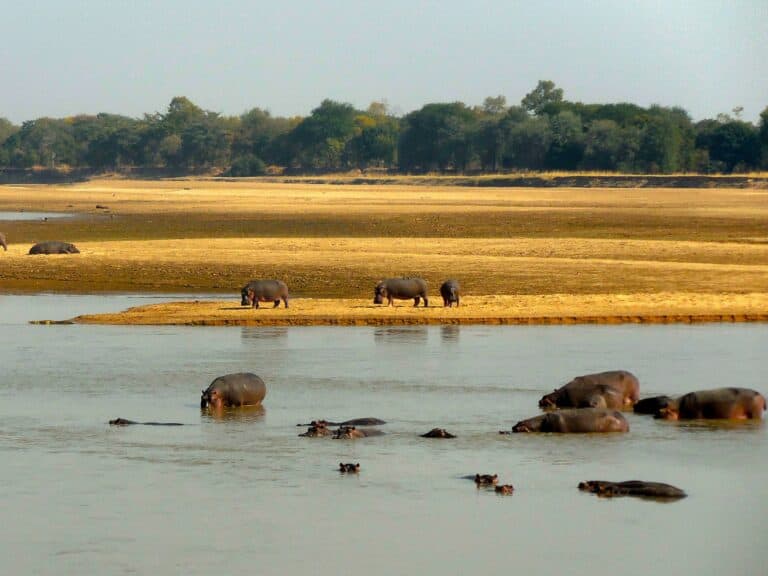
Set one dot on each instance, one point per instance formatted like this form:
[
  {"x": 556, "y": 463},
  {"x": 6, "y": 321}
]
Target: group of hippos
[
  {"x": 592, "y": 403},
  {"x": 50, "y": 247},
  {"x": 390, "y": 289}
]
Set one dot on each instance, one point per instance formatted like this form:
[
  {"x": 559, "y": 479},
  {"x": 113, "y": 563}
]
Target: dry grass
[{"x": 587, "y": 246}]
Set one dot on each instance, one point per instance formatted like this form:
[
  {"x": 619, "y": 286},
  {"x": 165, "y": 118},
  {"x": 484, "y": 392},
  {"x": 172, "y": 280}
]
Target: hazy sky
[{"x": 131, "y": 57}]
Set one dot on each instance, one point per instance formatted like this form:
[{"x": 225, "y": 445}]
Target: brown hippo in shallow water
[
  {"x": 349, "y": 467},
  {"x": 716, "y": 404},
  {"x": 401, "y": 289},
  {"x": 234, "y": 390},
  {"x": 317, "y": 431},
  {"x": 54, "y": 247},
  {"x": 614, "y": 389},
  {"x": 354, "y": 422},
  {"x": 125, "y": 422},
  {"x": 264, "y": 291},
  {"x": 650, "y": 405},
  {"x": 438, "y": 433},
  {"x": 575, "y": 421},
  {"x": 504, "y": 489},
  {"x": 350, "y": 432},
  {"x": 486, "y": 479},
  {"x": 657, "y": 490}
]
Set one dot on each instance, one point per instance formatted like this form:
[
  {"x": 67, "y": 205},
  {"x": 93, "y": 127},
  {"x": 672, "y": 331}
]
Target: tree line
[{"x": 544, "y": 132}]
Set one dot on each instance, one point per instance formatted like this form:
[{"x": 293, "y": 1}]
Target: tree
[
  {"x": 319, "y": 141},
  {"x": 567, "y": 146},
  {"x": 438, "y": 136},
  {"x": 540, "y": 97},
  {"x": 736, "y": 145}
]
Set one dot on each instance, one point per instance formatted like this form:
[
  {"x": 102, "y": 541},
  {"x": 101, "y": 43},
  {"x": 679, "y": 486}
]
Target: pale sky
[{"x": 131, "y": 57}]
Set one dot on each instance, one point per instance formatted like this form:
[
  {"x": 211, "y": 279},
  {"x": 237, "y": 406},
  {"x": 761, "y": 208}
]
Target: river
[{"x": 243, "y": 494}]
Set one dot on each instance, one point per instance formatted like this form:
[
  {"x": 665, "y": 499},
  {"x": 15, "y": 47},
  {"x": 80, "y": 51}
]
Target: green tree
[
  {"x": 319, "y": 141},
  {"x": 545, "y": 94},
  {"x": 567, "y": 145},
  {"x": 438, "y": 137}
]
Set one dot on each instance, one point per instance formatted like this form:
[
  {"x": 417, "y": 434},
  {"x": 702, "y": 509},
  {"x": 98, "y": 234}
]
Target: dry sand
[{"x": 522, "y": 254}]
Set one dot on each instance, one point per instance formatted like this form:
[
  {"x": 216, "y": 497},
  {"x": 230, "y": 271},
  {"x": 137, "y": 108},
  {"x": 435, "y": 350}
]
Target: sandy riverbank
[{"x": 521, "y": 254}]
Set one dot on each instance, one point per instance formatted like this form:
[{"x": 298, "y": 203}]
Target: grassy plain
[{"x": 521, "y": 254}]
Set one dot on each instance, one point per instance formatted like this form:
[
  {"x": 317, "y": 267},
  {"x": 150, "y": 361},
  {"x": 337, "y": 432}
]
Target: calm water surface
[
  {"x": 32, "y": 215},
  {"x": 243, "y": 494}
]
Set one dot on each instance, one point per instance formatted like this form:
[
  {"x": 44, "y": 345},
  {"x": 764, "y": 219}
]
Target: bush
[{"x": 247, "y": 165}]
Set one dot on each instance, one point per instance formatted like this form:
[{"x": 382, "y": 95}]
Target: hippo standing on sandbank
[
  {"x": 450, "y": 291},
  {"x": 3, "y": 243},
  {"x": 264, "y": 291},
  {"x": 614, "y": 389},
  {"x": 401, "y": 289},
  {"x": 575, "y": 421},
  {"x": 234, "y": 390},
  {"x": 54, "y": 247},
  {"x": 715, "y": 404}
]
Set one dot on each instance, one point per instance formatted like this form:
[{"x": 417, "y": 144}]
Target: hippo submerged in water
[
  {"x": 438, "y": 433},
  {"x": 614, "y": 389},
  {"x": 716, "y": 404},
  {"x": 650, "y": 405},
  {"x": 54, "y": 247},
  {"x": 655, "y": 490},
  {"x": 351, "y": 432},
  {"x": 575, "y": 421},
  {"x": 264, "y": 291},
  {"x": 234, "y": 390},
  {"x": 450, "y": 291},
  {"x": 125, "y": 422},
  {"x": 401, "y": 289},
  {"x": 354, "y": 422}
]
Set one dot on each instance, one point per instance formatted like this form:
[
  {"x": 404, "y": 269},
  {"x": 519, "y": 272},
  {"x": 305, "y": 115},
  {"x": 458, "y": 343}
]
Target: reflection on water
[
  {"x": 32, "y": 215},
  {"x": 263, "y": 332},
  {"x": 450, "y": 332},
  {"x": 244, "y": 414},
  {"x": 401, "y": 334},
  {"x": 238, "y": 489}
]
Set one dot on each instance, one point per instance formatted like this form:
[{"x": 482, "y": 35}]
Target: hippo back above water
[
  {"x": 614, "y": 389},
  {"x": 264, "y": 291},
  {"x": 715, "y": 404},
  {"x": 401, "y": 289},
  {"x": 234, "y": 390},
  {"x": 575, "y": 421},
  {"x": 54, "y": 247}
]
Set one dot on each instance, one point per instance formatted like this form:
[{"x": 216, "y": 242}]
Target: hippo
[
  {"x": 656, "y": 490},
  {"x": 438, "y": 433},
  {"x": 401, "y": 289},
  {"x": 651, "y": 405},
  {"x": 3, "y": 243},
  {"x": 125, "y": 422},
  {"x": 317, "y": 431},
  {"x": 349, "y": 468},
  {"x": 718, "y": 403},
  {"x": 240, "y": 389},
  {"x": 353, "y": 422},
  {"x": 264, "y": 291},
  {"x": 504, "y": 489},
  {"x": 450, "y": 291},
  {"x": 575, "y": 421},
  {"x": 54, "y": 247},
  {"x": 615, "y": 389},
  {"x": 486, "y": 479},
  {"x": 350, "y": 432}
]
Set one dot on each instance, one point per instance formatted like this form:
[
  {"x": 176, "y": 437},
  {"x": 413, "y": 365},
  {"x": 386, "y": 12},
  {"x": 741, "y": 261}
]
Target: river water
[{"x": 243, "y": 494}]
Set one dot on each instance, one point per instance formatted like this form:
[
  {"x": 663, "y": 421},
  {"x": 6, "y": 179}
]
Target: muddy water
[{"x": 242, "y": 494}]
